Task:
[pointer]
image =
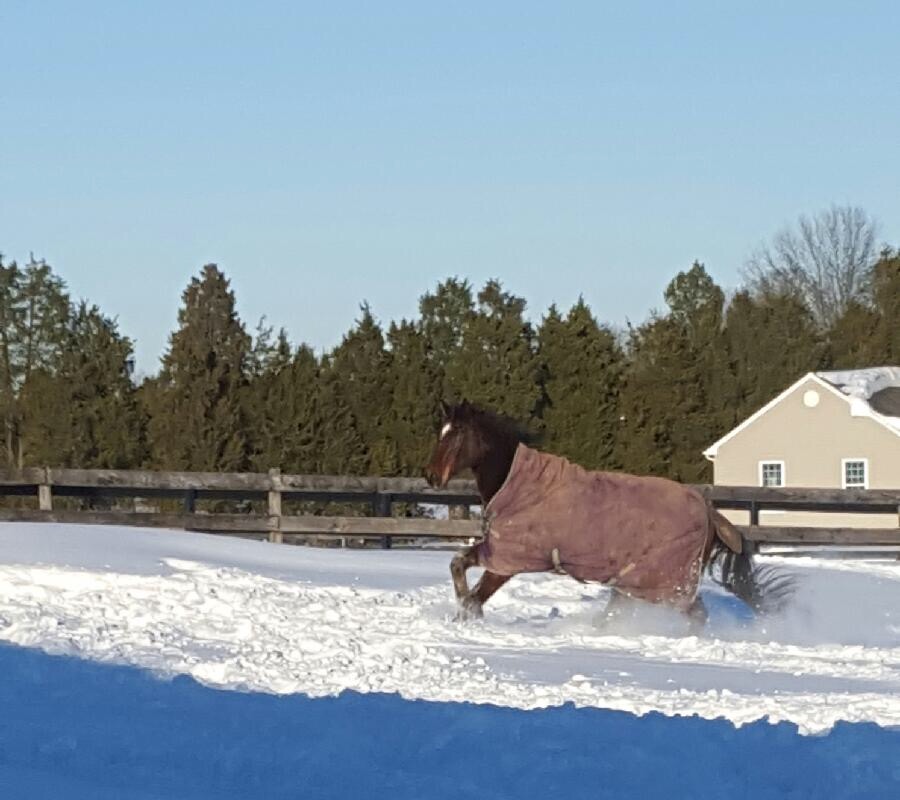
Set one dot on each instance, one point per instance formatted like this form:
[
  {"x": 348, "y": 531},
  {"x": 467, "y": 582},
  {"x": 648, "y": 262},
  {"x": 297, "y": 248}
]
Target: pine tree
[
  {"x": 443, "y": 316},
  {"x": 282, "y": 410},
  {"x": 677, "y": 386},
  {"x": 361, "y": 364},
  {"x": 582, "y": 366},
  {"x": 34, "y": 311},
  {"x": 86, "y": 414},
  {"x": 339, "y": 447},
  {"x": 496, "y": 365},
  {"x": 886, "y": 295},
  {"x": 199, "y": 419},
  {"x": 772, "y": 340},
  {"x": 415, "y": 397},
  {"x": 853, "y": 340}
]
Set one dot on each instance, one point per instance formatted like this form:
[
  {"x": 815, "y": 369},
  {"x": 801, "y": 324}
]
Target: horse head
[
  {"x": 474, "y": 438},
  {"x": 459, "y": 447}
]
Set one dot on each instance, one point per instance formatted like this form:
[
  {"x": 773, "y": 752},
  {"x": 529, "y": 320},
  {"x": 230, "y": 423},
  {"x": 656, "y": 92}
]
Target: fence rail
[{"x": 380, "y": 495}]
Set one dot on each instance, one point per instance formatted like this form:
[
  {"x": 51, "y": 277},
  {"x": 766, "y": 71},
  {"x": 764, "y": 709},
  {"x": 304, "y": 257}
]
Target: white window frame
[
  {"x": 864, "y": 462},
  {"x": 769, "y": 462}
]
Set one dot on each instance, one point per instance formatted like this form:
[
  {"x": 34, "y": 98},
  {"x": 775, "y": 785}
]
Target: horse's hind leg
[
  {"x": 618, "y": 604},
  {"x": 697, "y": 615}
]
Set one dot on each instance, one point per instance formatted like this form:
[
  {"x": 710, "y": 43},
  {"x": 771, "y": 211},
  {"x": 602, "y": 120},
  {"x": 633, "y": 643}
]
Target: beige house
[{"x": 829, "y": 430}]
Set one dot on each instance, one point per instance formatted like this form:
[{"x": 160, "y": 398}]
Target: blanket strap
[
  {"x": 558, "y": 567},
  {"x": 620, "y": 574}
]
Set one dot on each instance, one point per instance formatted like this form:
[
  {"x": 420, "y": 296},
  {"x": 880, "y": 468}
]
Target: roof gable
[{"x": 854, "y": 403}]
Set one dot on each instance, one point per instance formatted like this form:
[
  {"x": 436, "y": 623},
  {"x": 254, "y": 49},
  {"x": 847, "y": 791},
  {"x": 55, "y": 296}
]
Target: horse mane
[{"x": 492, "y": 424}]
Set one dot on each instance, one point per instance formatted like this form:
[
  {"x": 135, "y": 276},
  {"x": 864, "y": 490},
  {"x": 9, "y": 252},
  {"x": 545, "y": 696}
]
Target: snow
[
  {"x": 244, "y": 615},
  {"x": 863, "y": 383},
  {"x": 860, "y": 384},
  {"x": 82, "y": 730}
]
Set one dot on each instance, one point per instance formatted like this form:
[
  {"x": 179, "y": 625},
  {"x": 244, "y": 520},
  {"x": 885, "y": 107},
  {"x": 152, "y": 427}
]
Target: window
[
  {"x": 771, "y": 473},
  {"x": 855, "y": 473}
]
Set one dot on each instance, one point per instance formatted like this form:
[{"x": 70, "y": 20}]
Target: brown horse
[{"x": 648, "y": 538}]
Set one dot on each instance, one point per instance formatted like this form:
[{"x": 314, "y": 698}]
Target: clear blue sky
[{"x": 327, "y": 153}]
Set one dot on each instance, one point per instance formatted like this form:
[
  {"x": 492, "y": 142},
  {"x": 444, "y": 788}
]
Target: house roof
[{"x": 873, "y": 392}]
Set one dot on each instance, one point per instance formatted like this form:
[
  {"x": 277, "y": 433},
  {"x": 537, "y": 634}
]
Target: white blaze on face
[{"x": 446, "y": 429}]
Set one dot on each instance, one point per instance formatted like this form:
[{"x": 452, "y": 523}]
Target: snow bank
[{"x": 248, "y": 615}]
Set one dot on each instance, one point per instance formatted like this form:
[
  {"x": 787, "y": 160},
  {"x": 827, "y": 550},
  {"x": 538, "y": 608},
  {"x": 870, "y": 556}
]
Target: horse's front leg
[{"x": 468, "y": 601}]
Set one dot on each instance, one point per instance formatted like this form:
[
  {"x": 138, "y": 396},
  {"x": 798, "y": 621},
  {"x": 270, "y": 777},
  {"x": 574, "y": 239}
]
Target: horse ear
[{"x": 445, "y": 409}]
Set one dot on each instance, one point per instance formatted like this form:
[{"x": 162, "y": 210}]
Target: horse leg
[
  {"x": 485, "y": 589},
  {"x": 468, "y": 604},
  {"x": 616, "y": 606},
  {"x": 697, "y": 615}
]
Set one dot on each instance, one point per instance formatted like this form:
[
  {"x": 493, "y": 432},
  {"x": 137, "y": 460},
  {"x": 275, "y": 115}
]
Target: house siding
[{"x": 812, "y": 443}]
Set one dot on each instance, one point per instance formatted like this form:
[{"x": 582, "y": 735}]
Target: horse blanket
[{"x": 645, "y": 536}]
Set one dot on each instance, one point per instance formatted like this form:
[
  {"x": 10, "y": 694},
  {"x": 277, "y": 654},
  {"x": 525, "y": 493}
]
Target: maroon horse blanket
[{"x": 645, "y": 536}]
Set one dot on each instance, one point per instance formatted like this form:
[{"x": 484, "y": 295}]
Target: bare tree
[{"x": 827, "y": 261}]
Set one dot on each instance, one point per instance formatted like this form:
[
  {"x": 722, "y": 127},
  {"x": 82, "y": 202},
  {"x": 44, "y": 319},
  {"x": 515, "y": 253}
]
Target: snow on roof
[{"x": 867, "y": 389}]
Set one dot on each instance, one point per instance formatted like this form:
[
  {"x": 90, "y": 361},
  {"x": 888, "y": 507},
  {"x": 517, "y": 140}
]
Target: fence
[{"x": 380, "y": 495}]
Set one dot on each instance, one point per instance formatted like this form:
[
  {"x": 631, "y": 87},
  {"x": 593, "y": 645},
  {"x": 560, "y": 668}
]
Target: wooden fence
[{"x": 270, "y": 491}]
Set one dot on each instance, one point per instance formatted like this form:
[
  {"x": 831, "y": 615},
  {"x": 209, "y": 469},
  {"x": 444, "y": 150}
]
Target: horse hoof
[{"x": 469, "y": 611}]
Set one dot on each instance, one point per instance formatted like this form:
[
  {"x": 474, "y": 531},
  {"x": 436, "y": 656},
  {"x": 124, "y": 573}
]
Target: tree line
[{"x": 647, "y": 400}]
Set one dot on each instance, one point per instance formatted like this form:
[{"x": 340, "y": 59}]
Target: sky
[{"x": 323, "y": 154}]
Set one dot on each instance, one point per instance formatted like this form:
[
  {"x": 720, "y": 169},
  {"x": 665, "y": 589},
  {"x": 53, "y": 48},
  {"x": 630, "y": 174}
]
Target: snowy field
[{"x": 119, "y": 642}]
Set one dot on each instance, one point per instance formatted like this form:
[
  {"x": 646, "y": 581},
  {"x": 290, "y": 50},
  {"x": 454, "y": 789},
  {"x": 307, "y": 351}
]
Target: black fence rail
[{"x": 380, "y": 497}]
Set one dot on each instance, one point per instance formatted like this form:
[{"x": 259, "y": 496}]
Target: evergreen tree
[
  {"x": 34, "y": 311},
  {"x": 86, "y": 414},
  {"x": 582, "y": 366},
  {"x": 676, "y": 390},
  {"x": 199, "y": 419},
  {"x": 496, "y": 365},
  {"x": 853, "y": 340},
  {"x": 361, "y": 364},
  {"x": 886, "y": 295},
  {"x": 415, "y": 397},
  {"x": 339, "y": 447},
  {"x": 772, "y": 340},
  {"x": 282, "y": 410}
]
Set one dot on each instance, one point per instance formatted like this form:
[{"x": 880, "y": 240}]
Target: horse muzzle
[{"x": 435, "y": 479}]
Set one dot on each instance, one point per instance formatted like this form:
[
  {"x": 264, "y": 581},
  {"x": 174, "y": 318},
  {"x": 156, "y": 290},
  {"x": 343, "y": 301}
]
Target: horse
[{"x": 647, "y": 538}]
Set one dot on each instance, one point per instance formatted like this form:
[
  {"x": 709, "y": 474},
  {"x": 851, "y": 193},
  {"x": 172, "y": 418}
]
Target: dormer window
[
  {"x": 771, "y": 473},
  {"x": 855, "y": 473}
]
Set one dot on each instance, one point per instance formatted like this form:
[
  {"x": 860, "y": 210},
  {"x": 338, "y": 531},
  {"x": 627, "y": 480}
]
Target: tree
[
  {"x": 415, "y": 396},
  {"x": 496, "y": 364},
  {"x": 282, "y": 410},
  {"x": 827, "y": 262},
  {"x": 772, "y": 340},
  {"x": 886, "y": 298},
  {"x": 443, "y": 317},
  {"x": 361, "y": 365},
  {"x": 198, "y": 419},
  {"x": 85, "y": 414},
  {"x": 339, "y": 447},
  {"x": 582, "y": 365},
  {"x": 675, "y": 397},
  {"x": 34, "y": 312}
]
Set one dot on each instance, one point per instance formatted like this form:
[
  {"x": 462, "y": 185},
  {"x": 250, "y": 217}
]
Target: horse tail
[{"x": 765, "y": 589}]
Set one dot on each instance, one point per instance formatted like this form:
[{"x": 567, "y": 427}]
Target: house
[{"x": 829, "y": 430}]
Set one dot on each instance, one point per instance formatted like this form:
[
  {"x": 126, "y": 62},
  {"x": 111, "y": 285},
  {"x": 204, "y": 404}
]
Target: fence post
[
  {"x": 751, "y": 545},
  {"x": 275, "y": 535},
  {"x": 45, "y": 493},
  {"x": 381, "y": 507}
]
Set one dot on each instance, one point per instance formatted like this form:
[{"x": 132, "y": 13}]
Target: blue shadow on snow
[{"x": 77, "y": 729}]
